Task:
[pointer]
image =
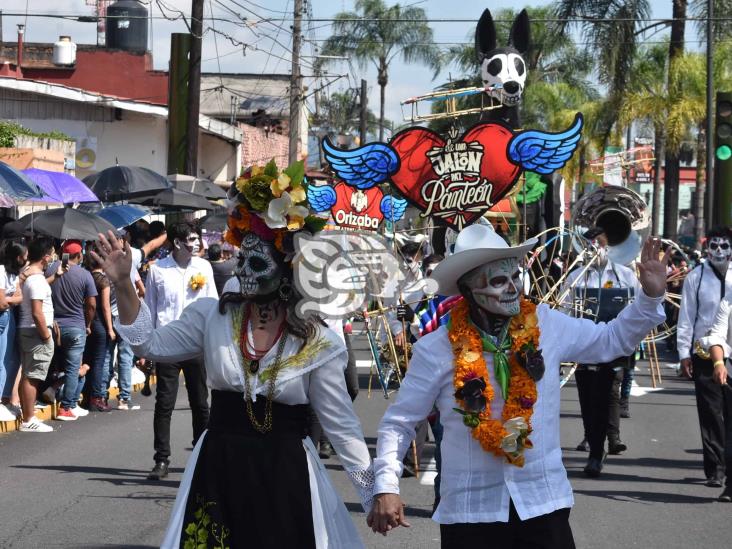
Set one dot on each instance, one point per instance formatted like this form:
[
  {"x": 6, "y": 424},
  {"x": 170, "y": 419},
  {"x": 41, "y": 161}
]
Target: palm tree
[
  {"x": 689, "y": 110},
  {"x": 377, "y": 34},
  {"x": 647, "y": 100}
]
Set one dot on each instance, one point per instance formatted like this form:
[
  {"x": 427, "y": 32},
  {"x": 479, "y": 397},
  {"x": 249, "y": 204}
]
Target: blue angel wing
[
  {"x": 544, "y": 152},
  {"x": 322, "y": 197},
  {"x": 393, "y": 208},
  {"x": 364, "y": 167}
]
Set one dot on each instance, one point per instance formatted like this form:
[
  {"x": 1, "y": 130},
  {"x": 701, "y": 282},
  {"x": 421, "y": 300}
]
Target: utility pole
[
  {"x": 709, "y": 206},
  {"x": 194, "y": 88},
  {"x": 364, "y": 112},
  {"x": 180, "y": 47},
  {"x": 295, "y": 84}
]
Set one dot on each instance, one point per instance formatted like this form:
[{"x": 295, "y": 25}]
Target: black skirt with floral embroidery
[{"x": 248, "y": 489}]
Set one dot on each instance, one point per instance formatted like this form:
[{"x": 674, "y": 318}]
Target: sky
[{"x": 268, "y": 43}]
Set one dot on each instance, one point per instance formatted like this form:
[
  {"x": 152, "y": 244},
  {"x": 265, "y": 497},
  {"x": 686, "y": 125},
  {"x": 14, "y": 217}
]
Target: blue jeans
[
  {"x": 9, "y": 356},
  {"x": 95, "y": 355},
  {"x": 73, "y": 340},
  {"x": 124, "y": 367}
]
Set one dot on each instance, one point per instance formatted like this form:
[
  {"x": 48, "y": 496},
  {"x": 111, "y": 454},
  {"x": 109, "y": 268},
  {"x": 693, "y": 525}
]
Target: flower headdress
[{"x": 270, "y": 203}]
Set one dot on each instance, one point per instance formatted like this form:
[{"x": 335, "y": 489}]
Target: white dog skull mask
[
  {"x": 494, "y": 287},
  {"x": 259, "y": 267},
  {"x": 719, "y": 252},
  {"x": 503, "y": 69}
]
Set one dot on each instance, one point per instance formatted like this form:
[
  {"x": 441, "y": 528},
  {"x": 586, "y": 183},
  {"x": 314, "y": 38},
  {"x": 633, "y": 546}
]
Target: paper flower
[
  {"x": 510, "y": 442},
  {"x": 280, "y": 185},
  {"x": 283, "y": 212},
  {"x": 516, "y": 425},
  {"x": 197, "y": 282}
]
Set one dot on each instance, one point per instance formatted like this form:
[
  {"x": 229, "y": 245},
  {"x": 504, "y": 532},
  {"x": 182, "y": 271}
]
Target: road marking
[
  {"x": 636, "y": 390},
  {"x": 364, "y": 364},
  {"x": 427, "y": 476}
]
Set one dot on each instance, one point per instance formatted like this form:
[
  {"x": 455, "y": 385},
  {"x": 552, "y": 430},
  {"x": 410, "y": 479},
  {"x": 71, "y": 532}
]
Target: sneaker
[
  {"x": 40, "y": 406},
  {"x": 15, "y": 410},
  {"x": 35, "y": 425},
  {"x": 65, "y": 414},
  {"x": 726, "y": 496},
  {"x": 5, "y": 414},
  {"x": 97, "y": 404},
  {"x": 126, "y": 404},
  {"x": 80, "y": 412}
]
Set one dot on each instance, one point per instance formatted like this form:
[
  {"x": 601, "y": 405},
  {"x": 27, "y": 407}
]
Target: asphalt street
[{"x": 84, "y": 485}]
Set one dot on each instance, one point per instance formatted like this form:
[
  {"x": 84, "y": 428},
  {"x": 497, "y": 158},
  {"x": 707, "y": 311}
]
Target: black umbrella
[
  {"x": 196, "y": 185},
  {"x": 122, "y": 182},
  {"x": 60, "y": 223},
  {"x": 174, "y": 199},
  {"x": 215, "y": 222}
]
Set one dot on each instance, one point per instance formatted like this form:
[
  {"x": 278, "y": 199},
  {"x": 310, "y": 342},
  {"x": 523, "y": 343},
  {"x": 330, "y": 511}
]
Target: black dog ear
[
  {"x": 485, "y": 35},
  {"x": 520, "y": 36}
]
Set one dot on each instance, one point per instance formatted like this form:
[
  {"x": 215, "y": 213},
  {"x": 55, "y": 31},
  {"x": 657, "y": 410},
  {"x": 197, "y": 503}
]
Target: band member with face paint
[
  {"x": 494, "y": 373},
  {"x": 704, "y": 289},
  {"x": 610, "y": 285},
  {"x": 254, "y": 479}
]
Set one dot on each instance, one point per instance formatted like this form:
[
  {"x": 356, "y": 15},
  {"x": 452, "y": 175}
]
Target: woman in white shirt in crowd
[{"x": 14, "y": 257}]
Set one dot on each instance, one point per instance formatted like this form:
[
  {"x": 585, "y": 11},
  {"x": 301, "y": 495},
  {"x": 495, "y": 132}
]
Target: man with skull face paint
[
  {"x": 169, "y": 288},
  {"x": 254, "y": 479},
  {"x": 488, "y": 497},
  {"x": 704, "y": 289}
]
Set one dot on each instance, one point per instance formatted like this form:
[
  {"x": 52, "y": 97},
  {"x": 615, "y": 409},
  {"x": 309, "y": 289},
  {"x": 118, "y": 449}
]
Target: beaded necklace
[{"x": 249, "y": 369}]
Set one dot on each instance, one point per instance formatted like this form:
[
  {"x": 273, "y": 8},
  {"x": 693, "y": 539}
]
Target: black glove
[{"x": 402, "y": 312}]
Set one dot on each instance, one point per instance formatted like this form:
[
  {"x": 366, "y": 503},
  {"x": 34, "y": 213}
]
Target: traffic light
[{"x": 723, "y": 159}]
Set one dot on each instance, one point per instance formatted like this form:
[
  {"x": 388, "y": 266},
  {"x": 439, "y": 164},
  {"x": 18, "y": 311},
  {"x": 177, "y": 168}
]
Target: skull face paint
[
  {"x": 495, "y": 286},
  {"x": 258, "y": 269},
  {"x": 719, "y": 252}
]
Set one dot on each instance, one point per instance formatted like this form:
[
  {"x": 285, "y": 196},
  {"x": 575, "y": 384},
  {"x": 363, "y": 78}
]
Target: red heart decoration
[{"x": 442, "y": 197}]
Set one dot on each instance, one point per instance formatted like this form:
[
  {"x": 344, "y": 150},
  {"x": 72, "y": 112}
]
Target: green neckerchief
[{"x": 500, "y": 361}]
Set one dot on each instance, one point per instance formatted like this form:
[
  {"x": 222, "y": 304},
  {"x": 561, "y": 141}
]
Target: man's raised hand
[
  {"x": 115, "y": 259},
  {"x": 651, "y": 269}
]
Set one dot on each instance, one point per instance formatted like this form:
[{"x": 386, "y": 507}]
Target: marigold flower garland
[{"x": 507, "y": 437}]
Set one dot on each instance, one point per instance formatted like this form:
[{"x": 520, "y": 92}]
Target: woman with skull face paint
[
  {"x": 254, "y": 479},
  {"x": 704, "y": 289},
  {"x": 499, "y": 487}
]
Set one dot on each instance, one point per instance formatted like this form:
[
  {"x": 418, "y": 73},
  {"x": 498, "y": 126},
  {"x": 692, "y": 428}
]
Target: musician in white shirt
[
  {"x": 505, "y": 492},
  {"x": 704, "y": 289}
]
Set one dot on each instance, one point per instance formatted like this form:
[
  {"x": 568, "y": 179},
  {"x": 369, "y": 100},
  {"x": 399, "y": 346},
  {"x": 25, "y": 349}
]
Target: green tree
[
  {"x": 377, "y": 34},
  {"x": 340, "y": 114},
  {"x": 647, "y": 99}
]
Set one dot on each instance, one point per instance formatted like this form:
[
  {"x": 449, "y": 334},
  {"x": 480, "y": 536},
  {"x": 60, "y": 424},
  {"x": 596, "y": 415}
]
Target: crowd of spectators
[{"x": 58, "y": 343}]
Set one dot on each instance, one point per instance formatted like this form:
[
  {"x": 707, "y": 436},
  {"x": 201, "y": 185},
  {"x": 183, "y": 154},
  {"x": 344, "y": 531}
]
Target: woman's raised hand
[{"x": 114, "y": 257}]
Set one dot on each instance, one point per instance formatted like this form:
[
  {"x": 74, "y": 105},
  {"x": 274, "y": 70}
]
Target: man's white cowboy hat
[{"x": 476, "y": 245}]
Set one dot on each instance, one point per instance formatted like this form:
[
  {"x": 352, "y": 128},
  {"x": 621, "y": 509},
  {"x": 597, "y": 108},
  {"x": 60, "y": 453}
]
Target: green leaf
[
  {"x": 189, "y": 544},
  {"x": 198, "y": 513},
  {"x": 459, "y": 411},
  {"x": 191, "y": 529},
  {"x": 202, "y": 534},
  {"x": 206, "y": 520},
  {"x": 296, "y": 171},
  {"x": 271, "y": 168},
  {"x": 315, "y": 223}
]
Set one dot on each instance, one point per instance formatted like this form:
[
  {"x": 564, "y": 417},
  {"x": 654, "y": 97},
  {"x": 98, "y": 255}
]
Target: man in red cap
[{"x": 74, "y": 306}]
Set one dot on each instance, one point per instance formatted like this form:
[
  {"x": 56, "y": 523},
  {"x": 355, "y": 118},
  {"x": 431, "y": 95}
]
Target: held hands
[
  {"x": 115, "y": 258},
  {"x": 652, "y": 271},
  {"x": 387, "y": 513}
]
